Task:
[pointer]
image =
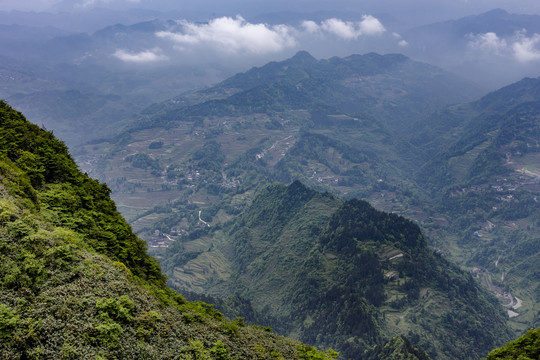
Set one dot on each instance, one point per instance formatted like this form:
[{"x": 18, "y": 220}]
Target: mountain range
[
  {"x": 121, "y": 66},
  {"x": 77, "y": 283},
  {"x": 465, "y": 172}
]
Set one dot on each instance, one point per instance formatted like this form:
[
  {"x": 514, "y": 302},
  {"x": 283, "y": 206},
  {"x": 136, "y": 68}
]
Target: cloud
[
  {"x": 234, "y": 35},
  {"x": 237, "y": 36},
  {"x": 310, "y": 26},
  {"x": 146, "y": 56},
  {"x": 403, "y": 43},
  {"x": 527, "y": 49},
  {"x": 488, "y": 42},
  {"x": 519, "y": 46},
  {"x": 90, "y": 3},
  {"x": 348, "y": 30}
]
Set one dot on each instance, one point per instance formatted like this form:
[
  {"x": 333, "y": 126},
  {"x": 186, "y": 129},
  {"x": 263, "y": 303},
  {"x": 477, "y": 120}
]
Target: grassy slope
[{"x": 76, "y": 283}]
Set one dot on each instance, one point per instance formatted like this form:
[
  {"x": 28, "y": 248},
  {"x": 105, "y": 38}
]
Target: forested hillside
[
  {"x": 526, "y": 347},
  {"x": 486, "y": 182},
  {"x": 359, "y": 127},
  {"x": 76, "y": 283},
  {"x": 339, "y": 274}
]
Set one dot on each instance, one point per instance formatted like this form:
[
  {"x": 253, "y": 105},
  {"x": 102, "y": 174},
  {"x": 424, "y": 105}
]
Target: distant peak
[
  {"x": 303, "y": 56},
  {"x": 496, "y": 13}
]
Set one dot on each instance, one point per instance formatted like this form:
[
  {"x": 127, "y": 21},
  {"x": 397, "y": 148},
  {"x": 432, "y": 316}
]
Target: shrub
[
  {"x": 117, "y": 309},
  {"x": 108, "y": 333},
  {"x": 8, "y": 322}
]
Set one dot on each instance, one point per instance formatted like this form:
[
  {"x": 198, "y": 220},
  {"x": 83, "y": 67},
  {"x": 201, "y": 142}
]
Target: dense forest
[{"x": 360, "y": 276}]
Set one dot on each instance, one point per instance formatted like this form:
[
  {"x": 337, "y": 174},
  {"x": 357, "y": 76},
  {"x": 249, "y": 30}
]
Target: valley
[
  {"x": 208, "y": 162},
  {"x": 355, "y": 181}
]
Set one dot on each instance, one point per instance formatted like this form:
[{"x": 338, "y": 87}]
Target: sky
[{"x": 414, "y": 9}]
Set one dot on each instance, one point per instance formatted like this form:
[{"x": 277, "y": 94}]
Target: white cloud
[
  {"x": 527, "y": 49},
  {"x": 371, "y": 26},
  {"x": 403, "y": 43},
  {"x": 90, "y": 3},
  {"x": 348, "y": 30},
  {"x": 234, "y": 36},
  {"x": 488, "y": 42},
  {"x": 519, "y": 46},
  {"x": 310, "y": 26},
  {"x": 146, "y": 56}
]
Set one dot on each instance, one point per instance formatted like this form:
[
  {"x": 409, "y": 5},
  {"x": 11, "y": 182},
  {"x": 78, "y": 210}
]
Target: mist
[{"x": 141, "y": 51}]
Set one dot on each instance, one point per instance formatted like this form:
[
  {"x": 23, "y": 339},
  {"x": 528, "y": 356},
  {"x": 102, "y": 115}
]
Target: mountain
[
  {"x": 485, "y": 181},
  {"x": 504, "y": 118},
  {"x": 340, "y": 274},
  {"x": 465, "y": 172},
  {"x": 526, "y": 347},
  {"x": 478, "y": 47},
  {"x": 392, "y": 88},
  {"x": 68, "y": 81},
  {"x": 335, "y": 124},
  {"x": 497, "y": 21},
  {"x": 75, "y": 282},
  {"x": 83, "y": 20},
  {"x": 396, "y": 348}
]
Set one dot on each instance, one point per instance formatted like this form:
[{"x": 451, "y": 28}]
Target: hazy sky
[{"x": 415, "y": 10}]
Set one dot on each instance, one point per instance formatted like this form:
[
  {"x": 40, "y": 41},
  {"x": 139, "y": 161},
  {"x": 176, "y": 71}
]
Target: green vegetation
[
  {"x": 76, "y": 283},
  {"x": 397, "y": 348},
  {"x": 485, "y": 183},
  {"x": 359, "y": 275},
  {"x": 526, "y": 347},
  {"x": 359, "y": 127}
]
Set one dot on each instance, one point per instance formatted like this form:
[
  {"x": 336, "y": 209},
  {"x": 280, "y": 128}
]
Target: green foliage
[
  {"x": 72, "y": 199},
  {"x": 397, "y": 348},
  {"x": 108, "y": 333},
  {"x": 148, "y": 322},
  {"x": 9, "y": 321},
  {"x": 143, "y": 161},
  {"x": 310, "y": 353},
  {"x": 527, "y": 347},
  {"x": 219, "y": 351},
  {"x": 62, "y": 256},
  {"x": 117, "y": 309},
  {"x": 75, "y": 281},
  {"x": 197, "y": 351}
]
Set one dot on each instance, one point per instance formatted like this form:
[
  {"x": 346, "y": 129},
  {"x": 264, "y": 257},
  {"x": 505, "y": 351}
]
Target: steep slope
[
  {"x": 526, "y": 347},
  {"x": 486, "y": 185},
  {"x": 76, "y": 283},
  {"x": 339, "y": 274},
  {"x": 397, "y": 348}
]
